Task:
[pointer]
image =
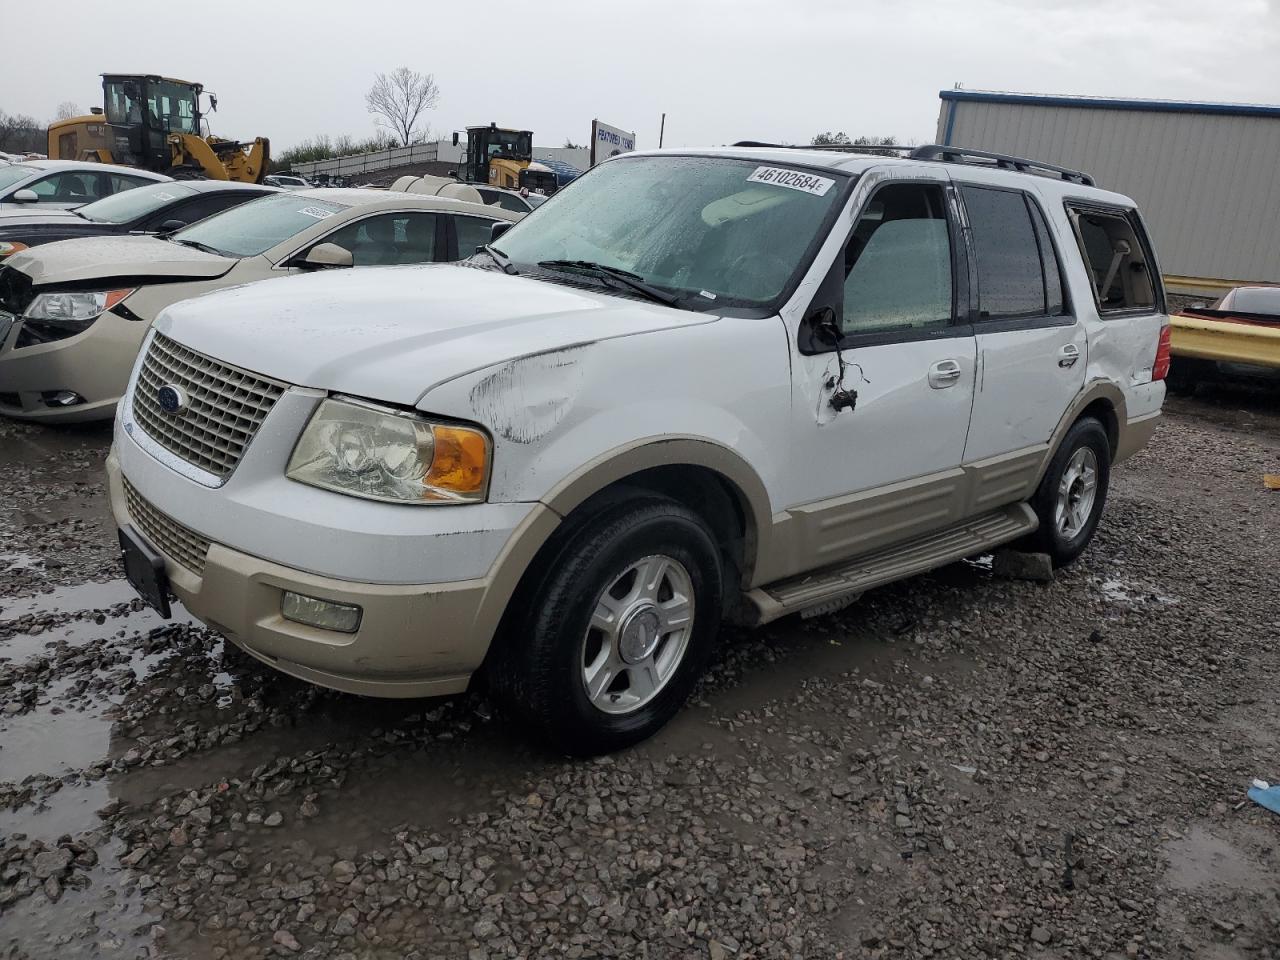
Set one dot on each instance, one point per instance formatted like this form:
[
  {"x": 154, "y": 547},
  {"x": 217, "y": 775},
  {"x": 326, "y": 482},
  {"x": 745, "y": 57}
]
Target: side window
[
  {"x": 388, "y": 239},
  {"x": 116, "y": 182},
  {"x": 1055, "y": 301},
  {"x": 1118, "y": 262},
  {"x": 1011, "y": 275},
  {"x": 80, "y": 187},
  {"x": 898, "y": 262},
  {"x": 473, "y": 233},
  {"x": 206, "y": 205}
]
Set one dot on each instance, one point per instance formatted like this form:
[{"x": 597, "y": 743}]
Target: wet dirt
[{"x": 896, "y": 779}]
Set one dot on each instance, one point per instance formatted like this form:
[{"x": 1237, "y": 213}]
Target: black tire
[
  {"x": 1085, "y": 433},
  {"x": 538, "y": 674},
  {"x": 1185, "y": 374}
]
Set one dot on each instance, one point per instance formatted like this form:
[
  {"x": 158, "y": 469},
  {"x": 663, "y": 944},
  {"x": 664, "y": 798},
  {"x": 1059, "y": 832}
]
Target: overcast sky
[{"x": 722, "y": 70}]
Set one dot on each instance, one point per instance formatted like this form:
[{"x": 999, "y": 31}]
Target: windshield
[
  {"x": 716, "y": 231},
  {"x": 129, "y": 205},
  {"x": 257, "y": 226},
  {"x": 9, "y": 175},
  {"x": 507, "y": 143},
  {"x": 1251, "y": 300},
  {"x": 169, "y": 106}
]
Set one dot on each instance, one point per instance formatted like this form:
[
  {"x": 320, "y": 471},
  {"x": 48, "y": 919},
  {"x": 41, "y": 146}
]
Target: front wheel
[
  {"x": 619, "y": 631},
  {"x": 1072, "y": 493}
]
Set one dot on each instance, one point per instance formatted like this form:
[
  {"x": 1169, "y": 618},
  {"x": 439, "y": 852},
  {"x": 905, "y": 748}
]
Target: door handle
[
  {"x": 944, "y": 374},
  {"x": 1068, "y": 354}
]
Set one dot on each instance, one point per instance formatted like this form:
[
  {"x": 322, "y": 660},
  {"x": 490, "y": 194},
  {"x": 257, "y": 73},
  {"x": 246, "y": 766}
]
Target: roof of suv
[{"x": 857, "y": 163}]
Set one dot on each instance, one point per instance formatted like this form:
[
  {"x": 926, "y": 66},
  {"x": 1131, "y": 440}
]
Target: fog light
[
  {"x": 61, "y": 398},
  {"x": 325, "y": 614}
]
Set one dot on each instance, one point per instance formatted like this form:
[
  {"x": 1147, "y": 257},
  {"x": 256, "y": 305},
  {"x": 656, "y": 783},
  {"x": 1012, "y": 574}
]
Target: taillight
[{"x": 1160, "y": 369}]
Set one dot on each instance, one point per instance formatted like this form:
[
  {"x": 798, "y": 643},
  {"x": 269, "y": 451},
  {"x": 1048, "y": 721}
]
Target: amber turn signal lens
[{"x": 461, "y": 460}]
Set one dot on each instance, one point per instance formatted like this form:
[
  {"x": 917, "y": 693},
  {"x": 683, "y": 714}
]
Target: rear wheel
[
  {"x": 616, "y": 635},
  {"x": 1072, "y": 493}
]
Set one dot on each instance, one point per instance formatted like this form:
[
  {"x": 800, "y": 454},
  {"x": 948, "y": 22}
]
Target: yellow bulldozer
[
  {"x": 154, "y": 123},
  {"x": 504, "y": 158}
]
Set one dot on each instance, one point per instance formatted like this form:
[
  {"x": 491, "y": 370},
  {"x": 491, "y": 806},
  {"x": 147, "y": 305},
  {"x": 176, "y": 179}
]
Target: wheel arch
[
  {"x": 1102, "y": 400},
  {"x": 712, "y": 479}
]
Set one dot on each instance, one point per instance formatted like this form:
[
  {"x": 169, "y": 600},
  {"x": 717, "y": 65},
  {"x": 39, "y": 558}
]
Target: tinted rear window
[{"x": 1010, "y": 272}]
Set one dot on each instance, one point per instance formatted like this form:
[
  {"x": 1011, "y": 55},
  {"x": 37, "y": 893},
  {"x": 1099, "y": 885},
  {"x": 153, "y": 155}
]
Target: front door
[
  {"x": 1031, "y": 349},
  {"x": 884, "y": 466}
]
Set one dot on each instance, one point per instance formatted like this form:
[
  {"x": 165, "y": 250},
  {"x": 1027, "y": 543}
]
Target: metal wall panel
[{"x": 1207, "y": 184}]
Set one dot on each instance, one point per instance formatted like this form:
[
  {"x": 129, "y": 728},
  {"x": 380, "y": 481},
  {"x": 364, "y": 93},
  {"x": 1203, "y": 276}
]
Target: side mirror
[
  {"x": 25, "y": 196},
  {"x": 498, "y": 229},
  {"x": 824, "y": 329},
  {"x": 171, "y": 225},
  {"x": 325, "y": 255}
]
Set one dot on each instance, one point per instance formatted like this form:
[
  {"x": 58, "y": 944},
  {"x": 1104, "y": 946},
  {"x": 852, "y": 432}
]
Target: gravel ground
[{"x": 959, "y": 765}]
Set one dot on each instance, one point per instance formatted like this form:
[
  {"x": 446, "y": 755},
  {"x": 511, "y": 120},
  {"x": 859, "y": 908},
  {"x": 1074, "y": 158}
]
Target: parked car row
[
  {"x": 79, "y": 309},
  {"x": 675, "y": 395}
]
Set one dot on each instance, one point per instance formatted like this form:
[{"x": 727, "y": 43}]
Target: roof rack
[
  {"x": 829, "y": 147},
  {"x": 944, "y": 154}
]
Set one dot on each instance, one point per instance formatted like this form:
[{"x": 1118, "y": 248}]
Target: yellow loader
[{"x": 154, "y": 123}]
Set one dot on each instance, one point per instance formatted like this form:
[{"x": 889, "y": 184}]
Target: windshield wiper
[
  {"x": 204, "y": 247},
  {"x": 628, "y": 279},
  {"x": 501, "y": 259}
]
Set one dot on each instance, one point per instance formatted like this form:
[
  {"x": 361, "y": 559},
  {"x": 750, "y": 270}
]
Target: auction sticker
[
  {"x": 320, "y": 213},
  {"x": 792, "y": 179}
]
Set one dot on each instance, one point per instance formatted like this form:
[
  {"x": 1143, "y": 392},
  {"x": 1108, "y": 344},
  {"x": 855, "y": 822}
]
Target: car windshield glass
[
  {"x": 12, "y": 174},
  {"x": 257, "y": 226},
  {"x": 1252, "y": 300},
  {"x": 129, "y": 205},
  {"x": 715, "y": 231}
]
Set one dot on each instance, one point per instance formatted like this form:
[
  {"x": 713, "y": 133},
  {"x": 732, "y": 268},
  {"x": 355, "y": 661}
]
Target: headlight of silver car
[
  {"x": 74, "y": 307},
  {"x": 384, "y": 454},
  {"x": 56, "y": 316}
]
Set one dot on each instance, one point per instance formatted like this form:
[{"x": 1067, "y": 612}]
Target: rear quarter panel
[{"x": 1121, "y": 348}]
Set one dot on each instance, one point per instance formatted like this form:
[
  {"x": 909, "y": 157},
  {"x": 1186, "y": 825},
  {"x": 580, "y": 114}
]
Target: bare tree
[
  {"x": 67, "y": 109},
  {"x": 398, "y": 99}
]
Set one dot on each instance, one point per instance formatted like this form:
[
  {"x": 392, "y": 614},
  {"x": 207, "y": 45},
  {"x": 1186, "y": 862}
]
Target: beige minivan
[{"x": 73, "y": 314}]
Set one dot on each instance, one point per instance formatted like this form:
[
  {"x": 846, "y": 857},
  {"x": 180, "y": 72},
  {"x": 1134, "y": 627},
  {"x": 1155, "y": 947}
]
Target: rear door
[{"x": 1031, "y": 345}]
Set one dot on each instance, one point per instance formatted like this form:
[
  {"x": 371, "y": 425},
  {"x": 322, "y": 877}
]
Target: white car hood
[
  {"x": 392, "y": 333},
  {"x": 92, "y": 258}
]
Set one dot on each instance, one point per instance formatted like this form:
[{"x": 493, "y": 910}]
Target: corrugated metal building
[{"x": 1204, "y": 174}]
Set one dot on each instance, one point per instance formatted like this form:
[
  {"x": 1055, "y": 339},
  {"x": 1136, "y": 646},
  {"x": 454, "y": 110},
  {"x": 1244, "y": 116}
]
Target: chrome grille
[
  {"x": 166, "y": 534},
  {"x": 225, "y": 405}
]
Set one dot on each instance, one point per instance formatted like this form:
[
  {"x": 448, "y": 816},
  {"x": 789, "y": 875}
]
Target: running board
[{"x": 894, "y": 563}]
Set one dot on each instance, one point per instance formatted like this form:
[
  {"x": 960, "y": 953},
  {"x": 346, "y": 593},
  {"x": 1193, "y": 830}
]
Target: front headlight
[
  {"x": 10, "y": 247},
  {"x": 56, "y": 316},
  {"x": 384, "y": 454},
  {"x": 74, "y": 307}
]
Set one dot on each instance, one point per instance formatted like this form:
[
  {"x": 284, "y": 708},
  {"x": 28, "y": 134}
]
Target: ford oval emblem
[{"x": 172, "y": 399}]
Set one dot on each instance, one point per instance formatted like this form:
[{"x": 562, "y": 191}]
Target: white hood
[
  {"x": 93, "y": 258},
  {"x": 392, "y": 333}
]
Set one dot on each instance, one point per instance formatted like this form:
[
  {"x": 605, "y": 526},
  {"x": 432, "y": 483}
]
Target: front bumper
[
  {"x": 414, "y": 640},
  {"x": 95, "y": 364}
]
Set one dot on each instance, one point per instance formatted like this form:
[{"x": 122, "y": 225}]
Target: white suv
[{"x": 731, "y": 383}]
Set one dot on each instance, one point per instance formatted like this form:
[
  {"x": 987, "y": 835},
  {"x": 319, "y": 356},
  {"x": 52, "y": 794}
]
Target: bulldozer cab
[
  {"x": 142, "y": 110},
  {"x": 493, "y": 143}
]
